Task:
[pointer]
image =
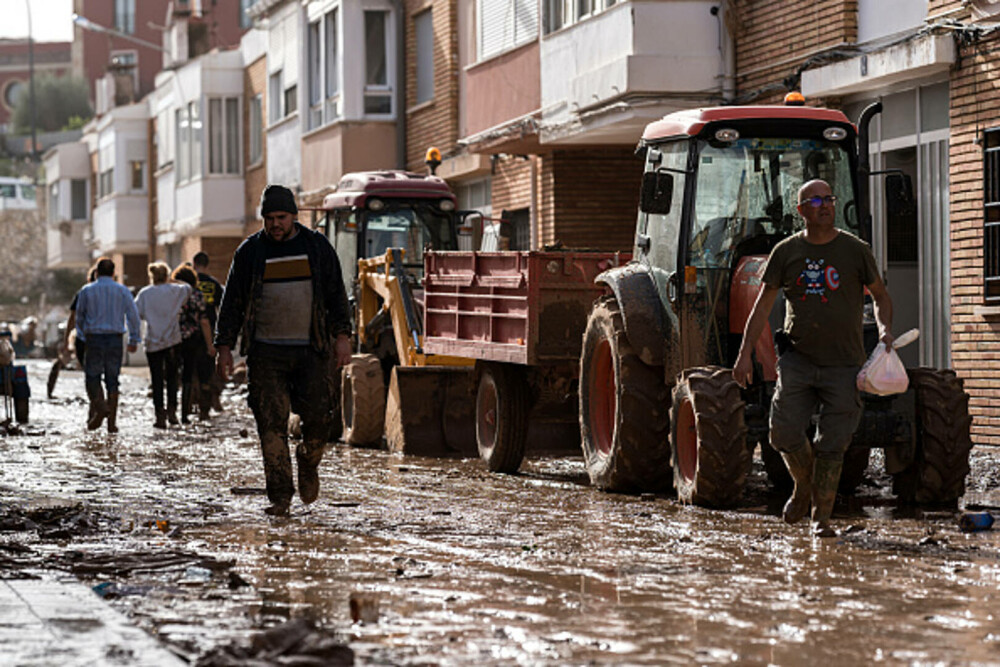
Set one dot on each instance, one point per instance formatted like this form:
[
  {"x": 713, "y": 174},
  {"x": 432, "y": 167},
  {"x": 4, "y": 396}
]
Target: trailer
[{"x": 521, "y": 316}]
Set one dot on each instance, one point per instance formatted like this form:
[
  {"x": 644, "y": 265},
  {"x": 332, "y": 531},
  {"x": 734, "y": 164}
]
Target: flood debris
[
  {"x": 364, "y": 607},
  {"x": 50, "y": 518},
  {"x": 970, "y": 522},
  {"x": 126, "y": 563},
  {"x": 296, "y": 642}
]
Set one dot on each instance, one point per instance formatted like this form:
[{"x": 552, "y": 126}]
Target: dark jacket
[{"x": 245, "y": 288}]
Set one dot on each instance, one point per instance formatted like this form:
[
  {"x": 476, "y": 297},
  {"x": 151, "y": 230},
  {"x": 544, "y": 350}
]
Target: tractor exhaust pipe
[{"x": 865, "y": 170}]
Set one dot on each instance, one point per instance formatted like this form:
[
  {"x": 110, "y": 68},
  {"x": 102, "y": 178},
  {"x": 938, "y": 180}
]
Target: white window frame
[
  {"x": 223, "y": 135},
  {"x": 142, "y": 175},
  {"x": 86, "y": 199},
  {"x": 275, "y": 97},
  {"x": 423, "y": 31},
  {"x": 376, "y": 90},
  {"x": 189, "y": 141},
  {"x": 124, "y": 16},
  {"x": 255, "y": 142},
  {"x": 331, "y": 65},
  {"x": 506, "y": 25}
]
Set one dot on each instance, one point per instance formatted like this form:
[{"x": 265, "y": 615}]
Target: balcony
[
  {"x": 606, "y": 76},
  {"x": 67, "y": 174}
]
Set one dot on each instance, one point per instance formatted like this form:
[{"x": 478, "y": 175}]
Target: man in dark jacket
[{"x": 285, "y": 295}]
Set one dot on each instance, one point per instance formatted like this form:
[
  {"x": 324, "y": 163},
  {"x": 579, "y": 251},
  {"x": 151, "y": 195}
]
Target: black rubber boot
[
  {"x": 826, "y": 478},
  {"x": 308, "y": 456},
  {"x": 800, "y": 467},
  {"x": 98, "y": 407},
  {"x": 185, "y": 402}
]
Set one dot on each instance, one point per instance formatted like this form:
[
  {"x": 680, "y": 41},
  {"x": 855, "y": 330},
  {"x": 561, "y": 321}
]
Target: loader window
[
  {"x": 414, "y": 229},
  {"x": 749, "y": 188},
  {"x": 345, "y": 242}
]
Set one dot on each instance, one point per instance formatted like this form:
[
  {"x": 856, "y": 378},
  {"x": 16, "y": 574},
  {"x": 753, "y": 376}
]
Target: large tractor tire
[
  {"x": 502, "y": 406},
  {"x": 624, "y": 408},
  {"x": 362, "y": 401},
  {"x": 943, "y": 429},
  {"x": 708, "y": 437}
]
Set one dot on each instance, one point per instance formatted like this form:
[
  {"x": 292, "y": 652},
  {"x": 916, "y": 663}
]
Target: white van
[{"x": 17, "y": 194}]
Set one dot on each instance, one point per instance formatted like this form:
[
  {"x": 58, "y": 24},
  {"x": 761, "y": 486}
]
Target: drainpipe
[
  {"x": 400, "y": 83},
  {"x": 727, "y": 50}
]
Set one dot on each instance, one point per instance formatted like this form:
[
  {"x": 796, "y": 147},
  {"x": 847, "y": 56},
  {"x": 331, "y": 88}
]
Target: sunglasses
[{"x": 818, "y": 201}]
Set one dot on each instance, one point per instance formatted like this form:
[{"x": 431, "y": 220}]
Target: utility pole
[{"x": 31, "y": 85}]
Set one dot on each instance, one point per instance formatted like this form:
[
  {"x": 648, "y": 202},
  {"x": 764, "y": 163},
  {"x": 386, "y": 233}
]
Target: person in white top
[{"x": 159, "y": 304}]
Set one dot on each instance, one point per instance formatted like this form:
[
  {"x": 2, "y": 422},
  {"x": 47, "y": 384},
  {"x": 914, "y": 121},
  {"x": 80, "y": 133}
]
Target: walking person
[
  {"x": 196, "y": 341},
  {"x": 823, "y": 272},
  {"x": 211, "y": 289},
  {"x": 285, "y": 294},
  {"x": 103, "y": 310},
  {"x": 72, "y": 343},
  {"x": 159, "y": 304}
]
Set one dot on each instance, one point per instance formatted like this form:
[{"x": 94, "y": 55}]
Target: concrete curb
[{"x": 61, "y": 623}]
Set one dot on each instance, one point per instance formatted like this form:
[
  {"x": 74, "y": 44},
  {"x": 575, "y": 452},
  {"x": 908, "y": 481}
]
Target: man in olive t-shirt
[{"x": 823, "y": 272}]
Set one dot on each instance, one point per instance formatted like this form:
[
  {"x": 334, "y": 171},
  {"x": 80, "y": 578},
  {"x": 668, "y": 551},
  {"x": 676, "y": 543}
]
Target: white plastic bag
[{"x": 884, "y": 373}]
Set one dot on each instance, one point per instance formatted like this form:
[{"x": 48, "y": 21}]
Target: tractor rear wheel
[
  {"x": 362, "y": 400},
  {"x": 708, "y": 437},
  {"x": 502, "y": 406},
  {"x": 624, "y": 408},
  {"x": 943, "y": 429}
]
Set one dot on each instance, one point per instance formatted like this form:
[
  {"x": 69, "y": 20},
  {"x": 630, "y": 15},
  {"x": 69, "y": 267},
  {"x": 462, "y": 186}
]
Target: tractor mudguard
[{"x": 641, "y": 310}]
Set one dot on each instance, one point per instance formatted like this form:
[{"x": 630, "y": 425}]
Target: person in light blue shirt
[{"x": 102, "y": 312}]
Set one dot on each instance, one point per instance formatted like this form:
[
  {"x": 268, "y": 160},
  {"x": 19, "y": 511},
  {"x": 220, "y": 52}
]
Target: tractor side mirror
[
  {"x": 899, "y": 199},
  {"x": 657, "y": 192}
]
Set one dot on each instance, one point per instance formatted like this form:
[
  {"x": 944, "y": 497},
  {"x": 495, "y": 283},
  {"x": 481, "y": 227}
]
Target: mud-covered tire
[
  {"x": 943, "y": 430},
  {"x": 777, "y": 472},
  {"x": 624, "y": 408},
  {"x": 362, "y": 400},
  {"x": 708, "y": 437},
  {"x": 502, "y": 406},
  {"x": 21, "y": 410},
  {"x": 853, "y": 473}
]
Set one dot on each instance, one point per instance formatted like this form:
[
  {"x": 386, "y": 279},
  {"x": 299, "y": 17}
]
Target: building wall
[
  {"x": 768, "y": 59},
  {"x": 490, "y": 99},
  {"x": 975, "y": 338},
  {"x": 433, "y": 122},
  {"x": 589, "y": 199},
  {"x": 332, "y": 151},
  {"x": 254, "y": 175}
]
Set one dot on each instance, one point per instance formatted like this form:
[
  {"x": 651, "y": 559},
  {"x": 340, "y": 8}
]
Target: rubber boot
[
  {"x": 204, "y": 400},
  {"x": 113, "y": 412},
  {"x": 277, "y": 473},
  {"x": 185, "y": 402},
  {"x": 161, "y": 419},
  {"x": 826, "y": 478},
  {"x": 308, "y": 456},
  {"x": 98, "y": 406},
  {"x": 800, "y": 467},
  {"x": 217, "y": 386},
  {"x": 172, "y": 415}
]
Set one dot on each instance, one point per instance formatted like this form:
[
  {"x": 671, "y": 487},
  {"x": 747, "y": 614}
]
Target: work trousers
[
  {"x": 103, "y": 359},
  {"x": 805, "y": 389},
  {"x": 282, "y": 378}
]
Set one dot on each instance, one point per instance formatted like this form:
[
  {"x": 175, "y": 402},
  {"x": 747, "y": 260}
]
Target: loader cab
[
  {"x": 719, "y": 191},
  {"x": 371, "y": 212}
]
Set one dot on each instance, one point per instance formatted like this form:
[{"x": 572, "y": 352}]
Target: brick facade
[
  {"x": 434, "y": 122},
  {"x": 769, "y": 59},
  {"x": 255, "y": 175},
  {"x": 975, "y": 338}
]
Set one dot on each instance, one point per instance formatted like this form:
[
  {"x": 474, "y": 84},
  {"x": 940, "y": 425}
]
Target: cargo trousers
[
  {"x": 803, "y": 389},
  {"x": 283, "y": 378}
]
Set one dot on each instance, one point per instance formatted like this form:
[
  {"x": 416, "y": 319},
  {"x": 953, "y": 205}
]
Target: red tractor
[{"x": 657, "y": 399}]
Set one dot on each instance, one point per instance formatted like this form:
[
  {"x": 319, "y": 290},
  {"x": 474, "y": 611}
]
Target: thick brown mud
[{"x": 453, "y": 565}]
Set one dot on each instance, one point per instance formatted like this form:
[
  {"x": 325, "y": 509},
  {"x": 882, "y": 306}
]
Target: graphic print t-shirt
[
  {"x": 286, "y": 307},
  {"x": 824, "y": 293}
]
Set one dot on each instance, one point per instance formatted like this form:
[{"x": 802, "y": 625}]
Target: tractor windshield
[
  {"x": 414, "y": 229},
  {"x": 747, "y": 190}
]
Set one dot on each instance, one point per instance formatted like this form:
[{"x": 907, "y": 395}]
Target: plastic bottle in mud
[{"x": 973, "y": 521}]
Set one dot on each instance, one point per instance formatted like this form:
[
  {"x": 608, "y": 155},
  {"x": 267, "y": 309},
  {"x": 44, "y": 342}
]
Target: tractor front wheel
[
  {"x": 624, "y": 408},
  {"x": 362, "y": 400},
  {"x": 708, "y": 437}
]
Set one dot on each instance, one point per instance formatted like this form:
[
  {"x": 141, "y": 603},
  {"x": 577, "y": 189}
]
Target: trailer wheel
[
  {"x": 943, "y": 429},
  {"x": 362, "y": 400},
  {"x": 624, "y": 408},
  {"x": 708, "y": 437},
  {"x": 21, "y": 410},
  {"x": 502, "y": 416}
]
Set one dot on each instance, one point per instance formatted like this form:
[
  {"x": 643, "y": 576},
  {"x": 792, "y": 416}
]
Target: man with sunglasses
[{"x": 823, "y": 272}]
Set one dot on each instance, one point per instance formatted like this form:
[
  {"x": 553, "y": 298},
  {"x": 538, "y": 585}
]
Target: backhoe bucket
[{"x": 430, "y": 411}]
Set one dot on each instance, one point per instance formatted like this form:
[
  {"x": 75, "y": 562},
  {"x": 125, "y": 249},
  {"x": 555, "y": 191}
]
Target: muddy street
[{"x": 448, "y": 564}]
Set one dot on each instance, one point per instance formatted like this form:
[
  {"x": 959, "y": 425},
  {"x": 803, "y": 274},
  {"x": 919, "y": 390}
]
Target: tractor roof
[
  {"x": 691, "y": 121},
  {"x": 355, "y": 188}
]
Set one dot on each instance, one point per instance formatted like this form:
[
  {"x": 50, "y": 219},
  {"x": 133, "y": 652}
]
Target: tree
[{"x": 57, "y": 100}]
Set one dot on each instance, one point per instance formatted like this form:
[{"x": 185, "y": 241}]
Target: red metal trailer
[{"x": 521, "y": 316}]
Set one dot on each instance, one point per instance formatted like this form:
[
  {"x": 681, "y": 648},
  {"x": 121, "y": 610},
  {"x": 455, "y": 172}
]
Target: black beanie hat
[{"x": 277, "y": 198}]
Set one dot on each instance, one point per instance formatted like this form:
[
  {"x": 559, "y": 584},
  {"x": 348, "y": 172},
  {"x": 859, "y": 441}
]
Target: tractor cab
[
  {"x": 373, "y": 211},
  {"x": 719, "y": 191}
]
